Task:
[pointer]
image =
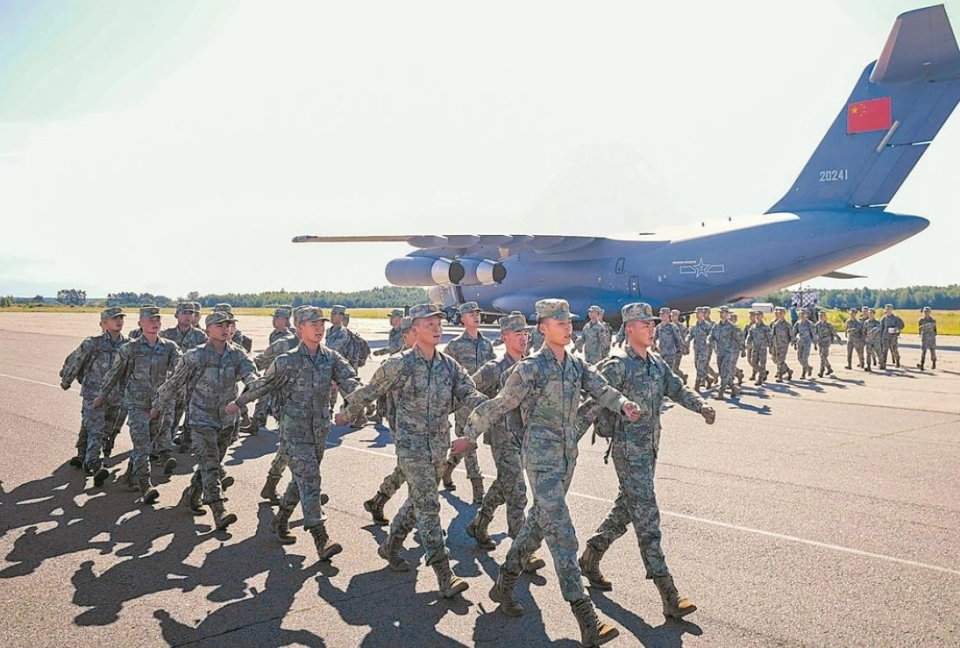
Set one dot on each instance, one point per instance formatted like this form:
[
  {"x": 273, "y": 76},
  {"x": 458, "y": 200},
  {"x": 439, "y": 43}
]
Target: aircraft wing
[{"x": 836, "y": 274}]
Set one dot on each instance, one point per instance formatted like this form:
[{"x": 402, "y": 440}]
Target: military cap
[
  {"x": 674, "y": 312},
  {"x": 338, "y": 309},
  {"x": 223, "y": 307},
  {"x": 724, "y": 309},
  {"x": 871, "y": 310},
  {"x": 664, "y": 309},
  {"x": 556, "y": 308},
  {"x": 396, "y": 312},
  {"x": 405, "y": 324},
  {"x": 733, "y": 317},
  {"x": 594, "y": 309},
  {"x": 515, "y": 321},
  {"x": 185, "y": 307},
  {"x": 306, "y": 314},
  {"x": 702, "y": 309},
  {"x": 638, "y": 312},
  {"x": 283, "y": 311},
  {"x": 426, "y": 310},
  {"x": 926, "y": 309},
  {"x": 469, "y": 307},
  {"x": 216, "y": 317},
  {"x": 111, "y": 312},
  {"x": 822, "y": 314},
  {"x": 854, "y": 309},
  {"x": 779, "y": 309},
  {"x": 889, "y": 306},
  {"x": 149, "y": 310},
  {"x": 196, "y": 306}
]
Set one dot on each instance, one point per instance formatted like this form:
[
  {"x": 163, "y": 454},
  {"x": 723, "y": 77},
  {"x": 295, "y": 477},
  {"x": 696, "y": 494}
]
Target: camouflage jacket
[
  {"x": 89, "y": 365},
  {"x": 595, "y": 340},
  {"x": 302, "y": 384},
  {"x": 760, "y": 336},
  {"x": 803, "y": 332},
  {"x": 490, "y": 379},
  {"x": 726, "y": 337},
  {"x": 889, "y": 322},
  {"x": 826, "y": 334},
  {"x": 645, "y": 382},
  {"x": 781, "y": 333},
  {"x": 547, "y": 393},
  {"x": 470, "y": 352},
  {"x": 535, "y": 341},
  {"x": 242, "y": 341},
  {"x": 355, "y": 349},
  {"x": 928, "y": 328},
  {"x": 276, "y": 349},
  {"x": 211, "y": 379},
  {"x": 194, "y": 337},
  {"x": 335, "y": 337},
  {"x": 871, "y": 330},
  {"x": 394, "y": 341},
  {"x": 139, "y": 369},
  {"x": 669, "y": 339},
  {"x": 855, "y": 329},
  {"x": 700, "y": 334},
  {"x": 426, "y": 392},
  {"x": 279, "y": 334}
]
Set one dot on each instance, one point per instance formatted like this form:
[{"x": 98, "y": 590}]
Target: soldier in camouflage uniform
[
  {"x": 748, "y": 343},
  {"x": 336, "y": 339},
  {"x": 209, "y": 373},
  {"x": 741, "y": 340},
  {"x": 392, "y": 482},
  {"x": 471, "y": 349},
  {"x": 140, "y": 367},
  {"x": 302, "y": 377},
  {"x": 890, "y": 327},
  {"x": 726, "y": 339},
  {"x": 89, "y": 365},
  {"x": 427, "y": 385},
  {"x": 826, "y": 335},
  {"x": 700, "y": 334},
  {"x": 281, "y": 331},
  {"x": 187, "y": 337},
  {"x": 804, "y": 337},
  {"x": 534, "y": 340},
  {"x": 782, "y": 333},
  {"x": 505, "y": 438},
  {"x": 761, "y": 337},
  {"x": 871, "y": 337},
  {"x": 546, "y": 388},
  {"x": 645, "y": 378},
  {"x": 855, "y": 342},
  {"x": 281, "y": 323},
  {"x": 595, "y": 338},
  {"x": 928, "y": 339},
  {"x": 394, "y": 345},
  {"x": 195, "y": 314},
  {"x": 669, "y": 340}
]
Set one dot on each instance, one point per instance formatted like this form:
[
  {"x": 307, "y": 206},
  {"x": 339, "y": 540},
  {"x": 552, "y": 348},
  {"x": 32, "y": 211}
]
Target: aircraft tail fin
[{"x": 895, "y": 110}]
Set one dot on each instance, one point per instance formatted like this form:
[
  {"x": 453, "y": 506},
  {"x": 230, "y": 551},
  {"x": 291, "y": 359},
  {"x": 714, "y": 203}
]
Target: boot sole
[
  {"x": 100, "y": 477},
  {"x": 330, "y": 552},
  {"x": 151, "y": 496},
  {"x": 169, "y": 466},
  {"x": 595, "y": 584},
  {"x": 398, "y": 567},
  {"x": 533, "y": 566},
  {"x": 227, "y": 482},
  {"x": 460, "y": 587},
  {"x": 227, "y": 520},
  {"x": 495, "y": 597},
  {"x": 609, "y": 635}
]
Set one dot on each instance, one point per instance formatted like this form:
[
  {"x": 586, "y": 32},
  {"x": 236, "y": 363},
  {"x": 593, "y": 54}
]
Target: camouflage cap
[
  {"x": 185, "y": 307},
  {"x": 469, "y": 307},
  {"x": 664, "y": 309},
  {"x": 594, "y": 309},
  {"x": 149, "y": 310},
  {"x": 638, "y": 312},
  {"x": 196, "y": 306},
  {"x": 338, "y": 309},
  {"x": 396, "y": 312},
  {"x": 426, "y": 310},
  {"x": 888, "y": 306},
  {"x": 306, "y": 314},
  {"x": 724, "y": 309},
  {"x": 556, "y": 308},
  {"x": 111, "y": 312},
  {"x": 283, "y": 311},
  {"x": 217, "y": 317},
  {"x": 405, "y": 324},
  {"x": 926, "y": 309},
  {"x": 701, "y": 309},
  {"x": 674, "y": 312},
  {"x": 515, "y": 321},
  {"x": 733, "y": 317},
  {"x": 779, "y": 309},
  {"x": 871, "y": 310},
  {"x": 223, "y": 307},
  {"x": 822, "y": 314}
]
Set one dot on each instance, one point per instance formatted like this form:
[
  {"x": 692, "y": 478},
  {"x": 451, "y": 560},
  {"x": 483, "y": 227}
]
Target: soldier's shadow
[
  {"x": 762, "y": 410},
  {"x": 668, "y": 635},
  {"x": 251, "y": 446}
]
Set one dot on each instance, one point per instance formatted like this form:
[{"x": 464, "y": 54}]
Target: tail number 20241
[{"x": 834, "y": 175}]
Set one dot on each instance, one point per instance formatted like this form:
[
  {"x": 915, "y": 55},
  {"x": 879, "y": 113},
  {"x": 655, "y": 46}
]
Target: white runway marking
[{"x": 35, "y": 382}]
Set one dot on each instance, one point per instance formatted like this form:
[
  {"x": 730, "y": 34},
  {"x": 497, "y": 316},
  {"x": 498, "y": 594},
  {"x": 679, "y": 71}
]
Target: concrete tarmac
[{"x": 815, "y": 513}]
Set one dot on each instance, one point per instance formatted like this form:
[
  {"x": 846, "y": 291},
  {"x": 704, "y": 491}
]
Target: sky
[{"x": 179, "y": 146}]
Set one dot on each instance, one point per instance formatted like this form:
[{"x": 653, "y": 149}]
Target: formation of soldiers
[{"x": 531, "y": 406}]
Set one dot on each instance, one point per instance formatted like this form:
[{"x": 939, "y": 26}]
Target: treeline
[
  {"x": 908, "y": 298},
  {"x": 382, "y": 297}
]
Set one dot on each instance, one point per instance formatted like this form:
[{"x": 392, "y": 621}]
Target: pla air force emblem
[{"x": 699, "y": 268}]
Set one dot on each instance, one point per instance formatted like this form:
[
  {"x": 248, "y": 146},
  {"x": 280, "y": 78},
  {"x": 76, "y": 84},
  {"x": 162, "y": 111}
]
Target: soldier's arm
[
  {"x": 465, "y": 390},
  {"x": 681, "y": 394},
  {"x": 597, "y": 386},
  {"x": 344, "y": 375},
  {"x": 614, "y": 372},
  {"x": 248, "y": 371},
  {"x": 486, "y": 378},
  {"x": 268, "y": 355},
  {"x": 578, "y": 345},
  {"x": 74, "y": 362},
  {"x": 117, "y": 373},
  {"x": 172, "y": 386},
  {"x": 519, "y": 384},
  {"x": 383, "y": 379},
  {"x": 275, "y": 378}
]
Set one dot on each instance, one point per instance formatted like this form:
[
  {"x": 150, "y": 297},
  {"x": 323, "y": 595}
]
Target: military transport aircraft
[{"x": 833, "y": 215}]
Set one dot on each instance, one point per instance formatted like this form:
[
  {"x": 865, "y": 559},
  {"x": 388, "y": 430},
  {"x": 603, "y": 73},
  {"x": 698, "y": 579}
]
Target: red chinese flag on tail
[{"x": 871, "y": 115}]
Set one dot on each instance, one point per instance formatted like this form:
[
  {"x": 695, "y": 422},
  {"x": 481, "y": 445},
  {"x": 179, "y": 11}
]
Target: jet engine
[
  {"x": 482, "y": 272},
  {"x": 424, "y": 271}
]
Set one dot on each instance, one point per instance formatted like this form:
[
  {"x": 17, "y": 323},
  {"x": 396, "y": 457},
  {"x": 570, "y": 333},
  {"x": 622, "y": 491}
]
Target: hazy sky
[{"x": 177, "y": 146}]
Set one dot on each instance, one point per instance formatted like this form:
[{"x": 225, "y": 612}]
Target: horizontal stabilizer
[{"x": 842, "y": 275}]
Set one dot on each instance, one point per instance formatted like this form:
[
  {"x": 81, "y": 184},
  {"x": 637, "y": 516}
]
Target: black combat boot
[
  {"x": 147, "y": 491},
  {"x": 590, "y": 566},
  {"x": 534, "y": 564},
  {"x": 933, "y": 364},
  {"x": 326, "y": 548},
  {"x": 592, "y": 631},
  {"x": 674, "y": 606},
  {"x": 449, "y": 584},
  {"x": 477, "y": 483},
  {"x": 269, "y": 490},
  {"x": 447, "y": 477},
  {"x": 390, "y": 551},
  {"x": 502, "y": 593},
  {"x": 77, "y": 461},
  {"x": 281, "y": 525},
  {"x": 191, "y": 499},
  {"x": 477, "y": 529},
  {"x": 221, "y": 518},
  {"x": 374, "y": 507},
  {"x": 169, "y": 464}
]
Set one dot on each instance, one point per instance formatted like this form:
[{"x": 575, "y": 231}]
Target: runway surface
[{"x": 819, "y": 513}]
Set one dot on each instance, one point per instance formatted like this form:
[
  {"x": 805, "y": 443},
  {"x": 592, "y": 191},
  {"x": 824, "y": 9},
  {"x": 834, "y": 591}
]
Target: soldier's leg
[
  {"x": 850, "y": 348},
  {"x": 615, "y": 524},
  {"x": 140, "y": 428},
  {"x": 470, "y": 459},
  {"x": 280, "y": 460},
  {"x": 551, "y": 517},
  {"x": 859, "y": 348},
  {"x": 207, "y": 448},
  {"x": 95, "y": 423},
  {"x": 305, "y": 487},
  {"x": 422, "y": 508},
  {"x": 161, "y": 440},
  {"x": 392, "y": 482},
  {"x": 509, "y": 487},
  {"x": 81, "y": 444},
  {"x": 260, "y": 411},
  {"x": 895, "y": 349},
  {"x": 641, "y": 504},
  {"x": 882, "y": 352},
  {"x": 933, "y": 354},
  {"x": 115, "y": 421},
  {"x": 761, "y": 356}
]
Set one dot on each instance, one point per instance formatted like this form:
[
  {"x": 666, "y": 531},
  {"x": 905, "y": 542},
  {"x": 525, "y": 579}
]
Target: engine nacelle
[
  {"x": 424, "y": 271},
  {"x": 482, "y": 272}
]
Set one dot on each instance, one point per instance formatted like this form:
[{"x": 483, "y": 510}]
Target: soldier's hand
[
  {"x": 231, "y": 408},
  {"x": 743, "y": 354},
  {"x": 98, "y": 402},
  {"x": 339, "y": 419},
  {"x": 64, "y": 386},
  {"x": 631, "y": 410},
  {"x": 154, "y": 413},
  {"x": 709, "y": 414},
  {"x": 462, "y": 445}
]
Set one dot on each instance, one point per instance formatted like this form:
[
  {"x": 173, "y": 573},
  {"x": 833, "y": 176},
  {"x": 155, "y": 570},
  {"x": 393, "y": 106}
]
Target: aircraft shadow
[{"x": 668, "y": 635}]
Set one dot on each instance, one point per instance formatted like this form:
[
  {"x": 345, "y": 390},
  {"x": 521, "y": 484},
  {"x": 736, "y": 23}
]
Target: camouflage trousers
[
  {"x": 264, "y": 407},
  {"x": 469, "y": 459},
  {"x": 928, "y": 345},
  {"x": 422, "y": 508},
  {"x": 143, "y": 431},
  {"x": 803, "y": 354},
  {"x": 701, "y": 360},
  {"x": 825, "y": 358},
  {"x": 855, "y": 345},
  {"x": 780, "y": 358},
  {"x": 549, "y": 520},
  {"x": 210, "y": 445},
  {"x": 173, "y": 416},
  {"x": 673, "y": 361},
  {"x": 889, "y": 343},
  {"x": 392, "y": 482},
  {"x": 872, "y": 352},
  {"x": 280, "y": 460},
  {"x": 509, "y": 487},
  {"x": 636, "y": 503},
  {"x": 96, "y": 430},
  {"x": 760, "y": 360},
  {"x": 728, "y": 367},
  {"x": 304, "y": 488}
]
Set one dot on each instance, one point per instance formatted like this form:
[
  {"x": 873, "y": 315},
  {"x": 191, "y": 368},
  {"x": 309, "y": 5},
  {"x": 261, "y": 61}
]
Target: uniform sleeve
[
  {"x": 486, "y": 378},
  {"x": 275, "y": 378},
  {"x": 71, "y": 367},
  {"x": 465, "y": 390},
  {"x": 519, "y": 384},
  {"x": 597, "y": 386},
  {"x": 344, "y": 375},
  {"x": 248, "y": 371},
  {"x": 175, "y": 383},
  {"x": 175, "y": 354},
  {"x": 681, "y": 394},
  {"x": 383, "y": 379},
  {"x": 265, "y": 357},
  {"x": 117, "y": 371},
  {"x": 613, "y": 371}
]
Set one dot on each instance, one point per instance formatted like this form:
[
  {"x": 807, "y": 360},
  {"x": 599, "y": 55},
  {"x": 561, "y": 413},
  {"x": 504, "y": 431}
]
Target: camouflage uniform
[
  {"x": 140, "y": 369},
  {"x": 595, "y": 339},
  {"x": 271, "y": 402},
  {"x": 855, "y": 341},
  {"x": 535, "y": 341},
  {"x": 890, "y": 327},
  {"x": 211, "y": 380},
  {"x": 804, "y": 337},
  {"x": 670, "y": 343},
  {"x": 336, "y": 338},
  {"x": 781, "y": 332},
  {"x": 700, "y": 334},
  {"x": 826, "y": 335},
  {"x": 761, "y": 338},
  {"x": 426, "y": 393},
  {"x": 286, "y": 331},
  {"x": 89, "y": 365},
  {"x": 871, "y": 337},
  {"x": 928, "y": 338},
  {"x": 186, "y": 340},
  {"x": 394, "y": 346},
  {"x": 548, "y": 394},
  {"x": 725, "y": 337}
]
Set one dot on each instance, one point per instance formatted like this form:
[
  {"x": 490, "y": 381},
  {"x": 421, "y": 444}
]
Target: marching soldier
[
  {"x": 700, "y": 334},
  {"x": 394, "y": 345},
  {"x": 804, "y": 337},
  {"x": 187, "y": 336},
  {"x": 890, "y": 327},
  {"x": 669, "y": 340},
  {"x": 762, "y": 339},
  {"x": 782, "y": 333},
  {"x": 928, "y": 339},
  {"x": 825, "y": 336},
  {"x": 855, "y": 341},
  {"x": 871, "y": 336},
  {"x": 595, "y": 337},
  {"x": 725, "y": 338},
  {"x": 281, "y": 323}
]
